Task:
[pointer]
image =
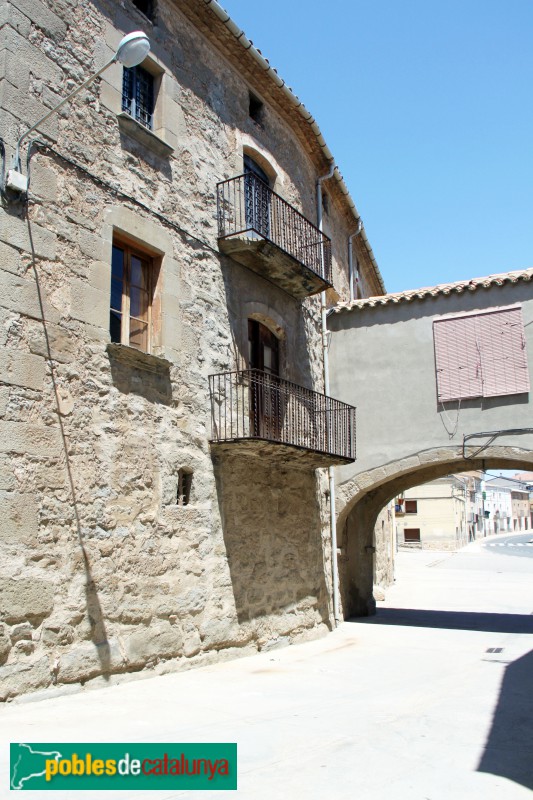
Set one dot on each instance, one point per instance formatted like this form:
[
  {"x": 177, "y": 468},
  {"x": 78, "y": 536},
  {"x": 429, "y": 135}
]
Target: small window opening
[
  {"x": 138, "y": 95},
  {"x": 146, "y": 6},
  {"x": 411, "y": 506},
  {"x": 184, "y": 487},
  {"x": 411, "y": 535},
  {"x": 255, "y": 109}
]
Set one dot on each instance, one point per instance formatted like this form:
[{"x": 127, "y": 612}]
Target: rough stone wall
[
  {"x": 102, "y": 573},
  {"x": 384, "y": 542}
]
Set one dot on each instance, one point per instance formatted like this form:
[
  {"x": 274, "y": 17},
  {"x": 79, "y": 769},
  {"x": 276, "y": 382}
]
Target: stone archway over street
[{"x": 410, "y": 429}]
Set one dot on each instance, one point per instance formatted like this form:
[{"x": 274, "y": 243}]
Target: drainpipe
[
  {"x": 331, "y": 473},
  {"x": 353, "y": 274}
]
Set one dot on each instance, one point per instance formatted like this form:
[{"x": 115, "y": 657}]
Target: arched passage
[{"x": 365, "y": 496}]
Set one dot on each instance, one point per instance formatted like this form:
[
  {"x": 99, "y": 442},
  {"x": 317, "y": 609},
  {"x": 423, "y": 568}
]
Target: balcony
[
  {"x": 255, "y": 413},
  {"x": 260, "y": 230}
]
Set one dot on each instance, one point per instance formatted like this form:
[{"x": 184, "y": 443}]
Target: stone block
[
  {"x": 111, "y": 97},
  {"x": 57, "y": 635},
  {"x": 100, "y": 276},
  {"x": 18, "y": 520},
  {"x": 157, "y": 641},
  {"x": 25, "y": 57},
  {"x": 8, "y": 482},
  {"x": 89, "y": 243},
  {"x": 89, "y": 305},
  {"x": 87, "y": 660},
  {"x": 62, "y": 343},
  {"x": 10, "y": 15},
  {"x": 43, "y": 181},
  {"x": 42, "y": 17},
  {"x": 24, "y": 677},
  {"x": 23, "y": 599},
  {"x": 27, "y": 109},
  {"x": 21, "y": 631},
  {"x": 9, "y": 258},
  {"x": 5, "y": 643},
  {"x": 15, "y": 231},
  {"x": 219, "y": 633},
  {"x": 22, "y": 369},
  {"x": 31, "y": 440},
  {"x": 15, "y": 70},
  {"x": 191, "y": 602},
  {"x": 4, "y": 400}
]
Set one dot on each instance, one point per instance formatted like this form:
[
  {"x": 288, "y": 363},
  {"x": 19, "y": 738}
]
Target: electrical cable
[
  {"x": 3, "y": 173},
  {"x": 120, "y": 193}
]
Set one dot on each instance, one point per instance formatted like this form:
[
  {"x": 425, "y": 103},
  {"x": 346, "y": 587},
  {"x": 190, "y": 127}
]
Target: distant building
[
  {"x": 527, "y": 478},
  {"x": 436, "y": 515},
  {"x": 507, "y": 505}
]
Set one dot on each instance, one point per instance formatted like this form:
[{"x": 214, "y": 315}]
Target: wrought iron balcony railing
[
  {"x": 247, "y": 206},
  {"x": 256, "y": 405}
]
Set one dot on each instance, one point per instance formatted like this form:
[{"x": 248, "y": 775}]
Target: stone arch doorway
[{"x": 365, "y": 496}]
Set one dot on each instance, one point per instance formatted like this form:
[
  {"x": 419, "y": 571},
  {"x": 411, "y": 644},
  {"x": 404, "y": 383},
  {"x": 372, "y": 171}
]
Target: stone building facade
[{"x": 136, "y": 531}]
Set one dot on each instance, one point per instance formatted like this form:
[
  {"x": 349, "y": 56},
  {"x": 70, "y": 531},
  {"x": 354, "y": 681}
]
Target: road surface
[{"x": 429, "y": 700}]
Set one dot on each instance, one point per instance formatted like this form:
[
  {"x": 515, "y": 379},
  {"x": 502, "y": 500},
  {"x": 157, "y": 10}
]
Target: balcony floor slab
[
  {"x": 272, "y": 263},
  {"x": 278, "y": 453}
]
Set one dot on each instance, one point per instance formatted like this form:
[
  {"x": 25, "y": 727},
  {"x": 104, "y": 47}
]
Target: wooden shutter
[
  {"x": 503, "y": 353},
  {"x": 481, "y": 355},
  {"x": 457, "y": 358}
]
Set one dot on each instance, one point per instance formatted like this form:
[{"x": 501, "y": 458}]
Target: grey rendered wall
[{"x": 382, "y": 361}]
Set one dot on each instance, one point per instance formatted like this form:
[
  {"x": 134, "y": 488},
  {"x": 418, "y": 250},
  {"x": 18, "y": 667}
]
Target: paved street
[{"x": 429, "y": 700}]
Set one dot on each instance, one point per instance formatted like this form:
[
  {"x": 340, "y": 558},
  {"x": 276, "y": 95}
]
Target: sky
[{"x": 427, "y": 109}]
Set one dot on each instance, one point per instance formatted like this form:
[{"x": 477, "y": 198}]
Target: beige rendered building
[
  {"x": 165, "y": 436},
  {"x": 434, "y": 515}
]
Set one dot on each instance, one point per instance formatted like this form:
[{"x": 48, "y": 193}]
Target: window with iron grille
[{"x": 138, "y": 95}]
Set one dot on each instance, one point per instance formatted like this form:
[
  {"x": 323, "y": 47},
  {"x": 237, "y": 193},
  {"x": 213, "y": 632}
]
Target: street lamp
[{"x": 131, "y": 51}]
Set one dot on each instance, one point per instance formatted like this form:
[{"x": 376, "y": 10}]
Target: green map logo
[
  {"x": 27, "y": 763},
  {"x": 123, "y": 766}
]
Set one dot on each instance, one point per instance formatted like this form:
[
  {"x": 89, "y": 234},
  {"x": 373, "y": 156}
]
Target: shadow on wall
[
  {"x": 272, "y": 532},
  {"x": 137, "y": 373},
  {"x": 93, "y": 606},
  {"x": 508, "y": 748}
]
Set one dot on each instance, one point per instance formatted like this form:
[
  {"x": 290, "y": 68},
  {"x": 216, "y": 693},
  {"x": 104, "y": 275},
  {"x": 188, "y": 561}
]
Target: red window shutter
[
  {"x": 503, "y": 353},
  {"x": 457, "y": 359},
  {"x": 481, "y": 355}
]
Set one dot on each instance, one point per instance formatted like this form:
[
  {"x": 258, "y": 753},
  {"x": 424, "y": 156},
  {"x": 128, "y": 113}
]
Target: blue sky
[{"x": 427, "y": 108}]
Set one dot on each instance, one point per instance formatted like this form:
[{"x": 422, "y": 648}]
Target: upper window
[
  {"x": 146, "y": 6},
  {"x": 133, "y": 278},
  {"x": 255, "y": 108},
  {"x": 411, "y": 506},
  {"x": 481, "y": 355},
  {"x": 138, "y": 95}
]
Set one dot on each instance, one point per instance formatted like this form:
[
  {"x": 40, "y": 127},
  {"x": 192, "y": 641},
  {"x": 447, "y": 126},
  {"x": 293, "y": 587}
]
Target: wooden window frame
[
  {"x": 410, "y": 532},
  {"x": 153, "y": 317},
  {"x": 409, "y": 506}
]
